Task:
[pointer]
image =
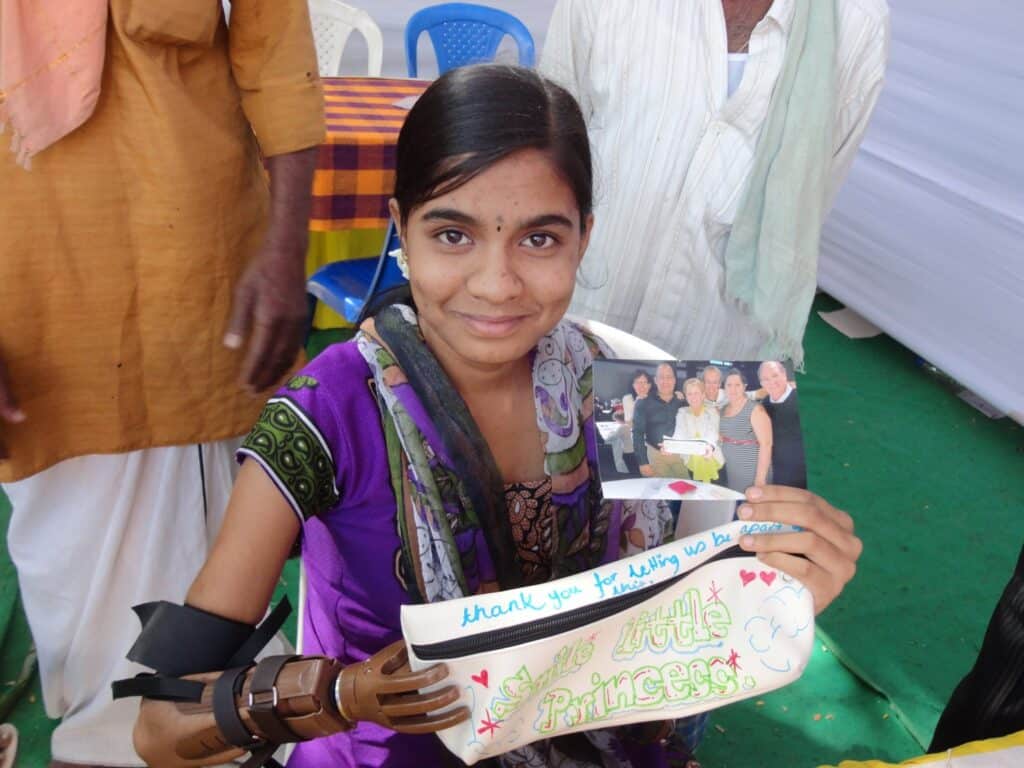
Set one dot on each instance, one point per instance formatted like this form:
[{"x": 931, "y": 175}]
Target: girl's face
[
  {"x": 642, "y": 386},
  {"x": 695, "y": 397},
  {"x": 492, "y": 264}
]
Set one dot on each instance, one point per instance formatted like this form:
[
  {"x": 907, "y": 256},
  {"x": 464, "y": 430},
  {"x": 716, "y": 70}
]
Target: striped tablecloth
[{"x": 355, "y": 172}]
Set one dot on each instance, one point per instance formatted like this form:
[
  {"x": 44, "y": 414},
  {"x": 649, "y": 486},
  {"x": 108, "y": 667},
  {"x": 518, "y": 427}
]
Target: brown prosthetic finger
[
  {"x": 391, "y": 659},
  {"x": 407, "y": 681},
  {"x": 418, "y": 703},
  {"x": 431, "y": 723}
]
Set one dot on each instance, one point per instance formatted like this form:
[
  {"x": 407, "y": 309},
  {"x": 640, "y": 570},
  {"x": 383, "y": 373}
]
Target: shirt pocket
[
  {"x": 182, "y": 22},
  {"x": 732, "y": 163},
  {"x": 725, "y": 181}
]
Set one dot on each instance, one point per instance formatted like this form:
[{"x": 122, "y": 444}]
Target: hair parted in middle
[{"x": 472, "y": 117}]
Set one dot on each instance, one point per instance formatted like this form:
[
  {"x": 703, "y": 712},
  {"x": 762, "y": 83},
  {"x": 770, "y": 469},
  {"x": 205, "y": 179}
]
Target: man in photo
[
  {"x": 714, "y": 395},
  {"x": 788, "y": 465},
  {"x": 654, "y": 419}
]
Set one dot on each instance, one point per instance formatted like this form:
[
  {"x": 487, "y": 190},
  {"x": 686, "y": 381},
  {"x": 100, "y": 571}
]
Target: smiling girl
[{"x": 449, "y": 448}]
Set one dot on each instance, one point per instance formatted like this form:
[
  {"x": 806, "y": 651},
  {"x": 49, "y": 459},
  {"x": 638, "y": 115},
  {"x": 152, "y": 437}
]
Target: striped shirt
[{"x": 673, "y": 152}]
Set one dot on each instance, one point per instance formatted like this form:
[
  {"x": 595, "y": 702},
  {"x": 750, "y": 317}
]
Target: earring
[{"x": 400, "y": 259}]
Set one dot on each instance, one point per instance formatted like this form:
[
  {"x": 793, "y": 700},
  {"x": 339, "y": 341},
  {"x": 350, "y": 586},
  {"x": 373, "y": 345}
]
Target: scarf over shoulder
[
  {"x": 455, "y": 531},
  {"x": 51, "y": 64}
]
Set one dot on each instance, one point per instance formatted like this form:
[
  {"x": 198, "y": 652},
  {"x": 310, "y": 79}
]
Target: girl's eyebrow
[
  {"x": 546, "y": 220},
  {"x": 451, "y": 214}
]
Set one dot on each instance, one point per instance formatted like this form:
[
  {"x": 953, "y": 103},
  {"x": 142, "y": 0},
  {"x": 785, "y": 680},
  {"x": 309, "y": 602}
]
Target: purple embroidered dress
[{"x": 321, "y": 440}]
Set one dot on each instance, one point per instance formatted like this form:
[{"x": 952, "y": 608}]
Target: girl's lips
[{"x": 484, "y": 325}]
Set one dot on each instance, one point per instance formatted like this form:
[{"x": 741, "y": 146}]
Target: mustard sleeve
[{"x": 274, "y": 63}]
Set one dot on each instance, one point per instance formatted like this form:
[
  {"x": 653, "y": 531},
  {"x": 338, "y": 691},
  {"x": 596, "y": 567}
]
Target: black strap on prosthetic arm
[
  {"x": 156, "y": 687},
  {"x": 181, "y": 640},
  {"x": 262, "y": 703},
  {"x": 227, "y": 687},
  {"x": 263, "y": 700}
]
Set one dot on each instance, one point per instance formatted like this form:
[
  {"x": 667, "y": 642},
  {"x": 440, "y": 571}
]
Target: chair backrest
[
  {"x": 624, "y": 345},
  {"x": 463, "y": 33},
  {"x": 333, "y": 22}
]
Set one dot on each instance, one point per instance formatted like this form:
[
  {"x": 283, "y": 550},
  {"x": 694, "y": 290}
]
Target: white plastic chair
[
  {"x": 623, "y": 344},
  {"x": 333, "y": 22}
]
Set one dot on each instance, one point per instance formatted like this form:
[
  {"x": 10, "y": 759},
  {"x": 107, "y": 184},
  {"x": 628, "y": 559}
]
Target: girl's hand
[{"x": 823, "y": 556}]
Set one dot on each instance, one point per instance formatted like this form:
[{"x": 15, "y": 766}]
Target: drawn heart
[
  {"x": 747, "y": 576},
  {"x": 481, "y": 678},
  {"x": 768, "y": 577}
]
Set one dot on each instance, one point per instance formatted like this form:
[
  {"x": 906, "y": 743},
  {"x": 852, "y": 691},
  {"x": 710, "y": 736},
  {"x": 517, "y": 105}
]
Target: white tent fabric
[{"x": 926, "y": 239}]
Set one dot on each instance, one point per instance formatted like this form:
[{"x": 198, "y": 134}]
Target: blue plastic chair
[
  {"x": 348, "y": 286},
  {"x": 463, "y": 33}
]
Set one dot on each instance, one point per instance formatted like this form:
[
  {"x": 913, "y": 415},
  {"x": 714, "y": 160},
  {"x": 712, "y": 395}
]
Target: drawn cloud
[{"x": 780, "y": 620}]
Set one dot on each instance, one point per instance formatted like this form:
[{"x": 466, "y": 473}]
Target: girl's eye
[
  {"x": 452, "y": 237},
  {"x": 539, "y": 240}
]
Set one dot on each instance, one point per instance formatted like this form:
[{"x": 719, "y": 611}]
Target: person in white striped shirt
[{"x": 677, "y": 94}]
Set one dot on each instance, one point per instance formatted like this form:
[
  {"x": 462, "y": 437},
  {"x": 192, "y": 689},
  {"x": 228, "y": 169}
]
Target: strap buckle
[{"x": 256, "y": 698}]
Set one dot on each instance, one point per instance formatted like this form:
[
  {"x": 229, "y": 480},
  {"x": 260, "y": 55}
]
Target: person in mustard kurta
[{"x": 151, "y": 282}]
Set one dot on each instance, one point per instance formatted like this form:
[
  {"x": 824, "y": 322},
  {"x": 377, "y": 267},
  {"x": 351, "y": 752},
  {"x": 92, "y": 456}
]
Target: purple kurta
[
  {"x": 321, "y": 441},
  {"x": 349, "y": 551}
]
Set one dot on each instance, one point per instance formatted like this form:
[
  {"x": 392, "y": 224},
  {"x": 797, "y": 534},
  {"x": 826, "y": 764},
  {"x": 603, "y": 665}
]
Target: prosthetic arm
[{"x": 209, "y": 702}]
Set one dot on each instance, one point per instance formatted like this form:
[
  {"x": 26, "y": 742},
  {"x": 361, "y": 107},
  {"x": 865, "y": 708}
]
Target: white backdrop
[{"x": 927, "y": 237}]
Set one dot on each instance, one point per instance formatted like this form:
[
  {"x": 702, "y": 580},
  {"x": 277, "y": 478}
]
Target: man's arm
[
  {"x": 762, "y": 426},
  {"x": 270, "y": 307},
  {"x": 9, "y": 410},
  {"x": 640, "y": 433},
  {"x": 274, "y": 63}
]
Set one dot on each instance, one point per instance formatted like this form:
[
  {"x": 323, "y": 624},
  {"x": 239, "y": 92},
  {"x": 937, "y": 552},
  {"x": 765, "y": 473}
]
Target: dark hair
[
  {"x": 472, "y": 117},
  {"x": 736, "y": 372},
  {"x": 639, "y": 374},
  {"x": 667, "y": 364}
]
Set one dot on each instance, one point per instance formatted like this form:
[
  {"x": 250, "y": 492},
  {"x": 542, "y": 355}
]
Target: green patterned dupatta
[{"x": 456, "y": 534}]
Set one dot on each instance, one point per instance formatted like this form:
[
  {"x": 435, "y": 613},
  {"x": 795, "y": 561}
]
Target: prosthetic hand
[
  {"x": 383, "y": 689},
  {"x": 209, "y": 717}
]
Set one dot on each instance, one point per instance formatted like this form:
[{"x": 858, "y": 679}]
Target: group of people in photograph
[{"x": 713, "y": 427}]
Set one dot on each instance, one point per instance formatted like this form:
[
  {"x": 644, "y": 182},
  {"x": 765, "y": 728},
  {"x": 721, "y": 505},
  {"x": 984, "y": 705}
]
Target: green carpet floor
[
  {"x": 826, "y": 715},
  {"x": 935, "y": 489},
  {"x": 20, "y": 700}
]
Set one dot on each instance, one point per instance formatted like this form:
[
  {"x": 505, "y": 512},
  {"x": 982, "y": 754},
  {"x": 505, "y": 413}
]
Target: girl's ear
[
  {"x": 588, "y": 227},
  {"x": 396, "y": 217}
]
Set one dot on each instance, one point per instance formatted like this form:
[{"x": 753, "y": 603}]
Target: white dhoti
[{"x": 91, "y": 537}]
